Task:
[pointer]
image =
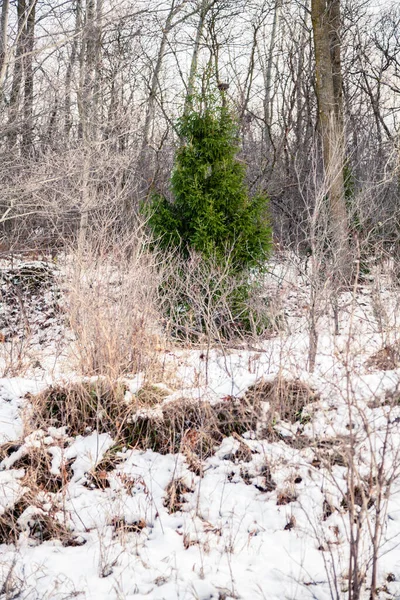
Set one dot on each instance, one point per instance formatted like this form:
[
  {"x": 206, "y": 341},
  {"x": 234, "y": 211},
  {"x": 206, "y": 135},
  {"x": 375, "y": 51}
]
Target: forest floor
[{"x": 220, "y": 511}]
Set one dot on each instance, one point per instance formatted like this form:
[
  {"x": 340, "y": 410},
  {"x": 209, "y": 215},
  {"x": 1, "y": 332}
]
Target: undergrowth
[{"x": 144, "y": 420}]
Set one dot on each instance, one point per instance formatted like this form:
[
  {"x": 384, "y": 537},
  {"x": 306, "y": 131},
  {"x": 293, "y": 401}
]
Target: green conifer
[{"x": 212, "y": 212}]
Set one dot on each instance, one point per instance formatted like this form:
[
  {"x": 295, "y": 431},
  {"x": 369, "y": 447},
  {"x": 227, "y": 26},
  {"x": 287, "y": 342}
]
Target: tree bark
[
  {"x": 268, "y": 75},
  {"x": 15, "y": 94},
  {"x": 204, "y": 8},
  {"x": 3, "y": 42},
  {"x": 90, "y": 65},
  {"x": 70, "y": 69},
  {"x": 27, "y": 132},
  {"x": 325, "y": 16}
]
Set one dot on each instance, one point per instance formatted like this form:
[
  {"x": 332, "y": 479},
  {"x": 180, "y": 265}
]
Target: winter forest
[
  {"x": 200, "y": 299},
  {"x": 90, "y": 94}
]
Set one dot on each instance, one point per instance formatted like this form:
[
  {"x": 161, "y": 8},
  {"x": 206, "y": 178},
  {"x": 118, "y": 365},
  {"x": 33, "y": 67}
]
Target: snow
[{"x": 231, "y": 535}]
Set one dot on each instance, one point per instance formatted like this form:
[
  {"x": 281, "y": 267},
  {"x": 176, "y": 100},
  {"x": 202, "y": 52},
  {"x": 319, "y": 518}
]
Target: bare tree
[
  {"x": 205, "y": 6},
  {"x": 27, "y": 133},
  {"x": 3, "y": 40},
  {"x": 326, "y": 23},
  {"x": 268, "y": 74},
  {"x": 174, "y": 10},
  {"x": 70, "y": 67}
]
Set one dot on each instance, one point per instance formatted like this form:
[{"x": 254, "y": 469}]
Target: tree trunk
[
  {"x": 70, "y": 69},
  {"x": 15, "y": 94},
  {"x": 325, "y": 16},
  {"x": 88, "y": 78},
  {"x": 155, "y": 82},
  {"x": 27, "y": 133},
  {"x": 144, "y": 157},
  {"x": 268, "y": 76},
  {"x": 3, "y": 42},
  {"x": 90, "y": 65},
  {"x": 204, "y": 8}
]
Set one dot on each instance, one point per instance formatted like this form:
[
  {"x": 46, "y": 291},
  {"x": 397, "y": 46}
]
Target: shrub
[{"x": 212, "y": 212}]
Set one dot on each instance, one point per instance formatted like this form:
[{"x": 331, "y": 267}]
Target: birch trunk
[{"x": 15, "y": 95}]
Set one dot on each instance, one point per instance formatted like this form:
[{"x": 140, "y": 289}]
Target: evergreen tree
[
  {"x": 212, "y": 212},
  {"x": 213, "y": 215}
]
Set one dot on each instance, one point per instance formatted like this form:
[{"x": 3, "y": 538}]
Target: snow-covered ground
[{"x": 268, "y": 516}]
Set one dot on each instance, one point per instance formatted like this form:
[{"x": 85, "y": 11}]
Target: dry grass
[
  {"x": 174, "y": 498},
  {"x": 42, "y": 524},
  {"x": 203, "y": 302},
  {"x": 386, "y": 359},
  {"x": 287, "y": 398},
  {"x": 112, "y": 295},
  {"x": 148, "y": 420},
  {"x": 144, "y": 420},
  {"x": 41, "y": 493},
  {"x": 36, "y": 463},
  {"x": 81, "y": 407},
  {"x": 98, "y": 476},
  {"x": 24, "y": 286},
  {"x": 9, "y": 529}
]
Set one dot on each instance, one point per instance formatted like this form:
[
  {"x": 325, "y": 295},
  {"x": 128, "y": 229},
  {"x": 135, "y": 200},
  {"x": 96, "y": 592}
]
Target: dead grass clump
[
  {"x": 150, "y": 395},
  {"x": 269, "y": 484},
  {"x": 194, "y": 427},
  {"x": 9, "y": 529},
  {"x": 331, "y": 451},
  {"x": 81, "y": 407},
  {"x": 286, "y": 496},
  {"x": 44, "y": 527},
  {"x": 8, "y": 448},
  {"x": 360, "y": 495},
  {"x": 243, "y": 453},
  {"x": 121, "y": 525},
  {"x": 290, "y": 524},
  {"x": 246, "y": 475},
  {"x": 386, "y": 359},
  {"x": 174, "y": 498},
  {"x": 327, "y": 510},
  {"x": 98, "y": 477},
  {"x": 238, "y": 415},
  {"x": 40, "y": 525},
  {"x": 36, "y": 463},
  {"x": 287, "y": 399},
  {"x": 177, "y": 425},
  {"x": 29, "y": 276},
  {"x": 143, "y": 421}
]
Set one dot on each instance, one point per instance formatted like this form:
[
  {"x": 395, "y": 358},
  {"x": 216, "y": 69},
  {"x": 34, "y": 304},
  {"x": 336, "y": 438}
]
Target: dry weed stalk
[
  {"x": 199, "y": 303},
  {"x": 368, "y": 458},
  {"x": 112, "y": 305}
]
